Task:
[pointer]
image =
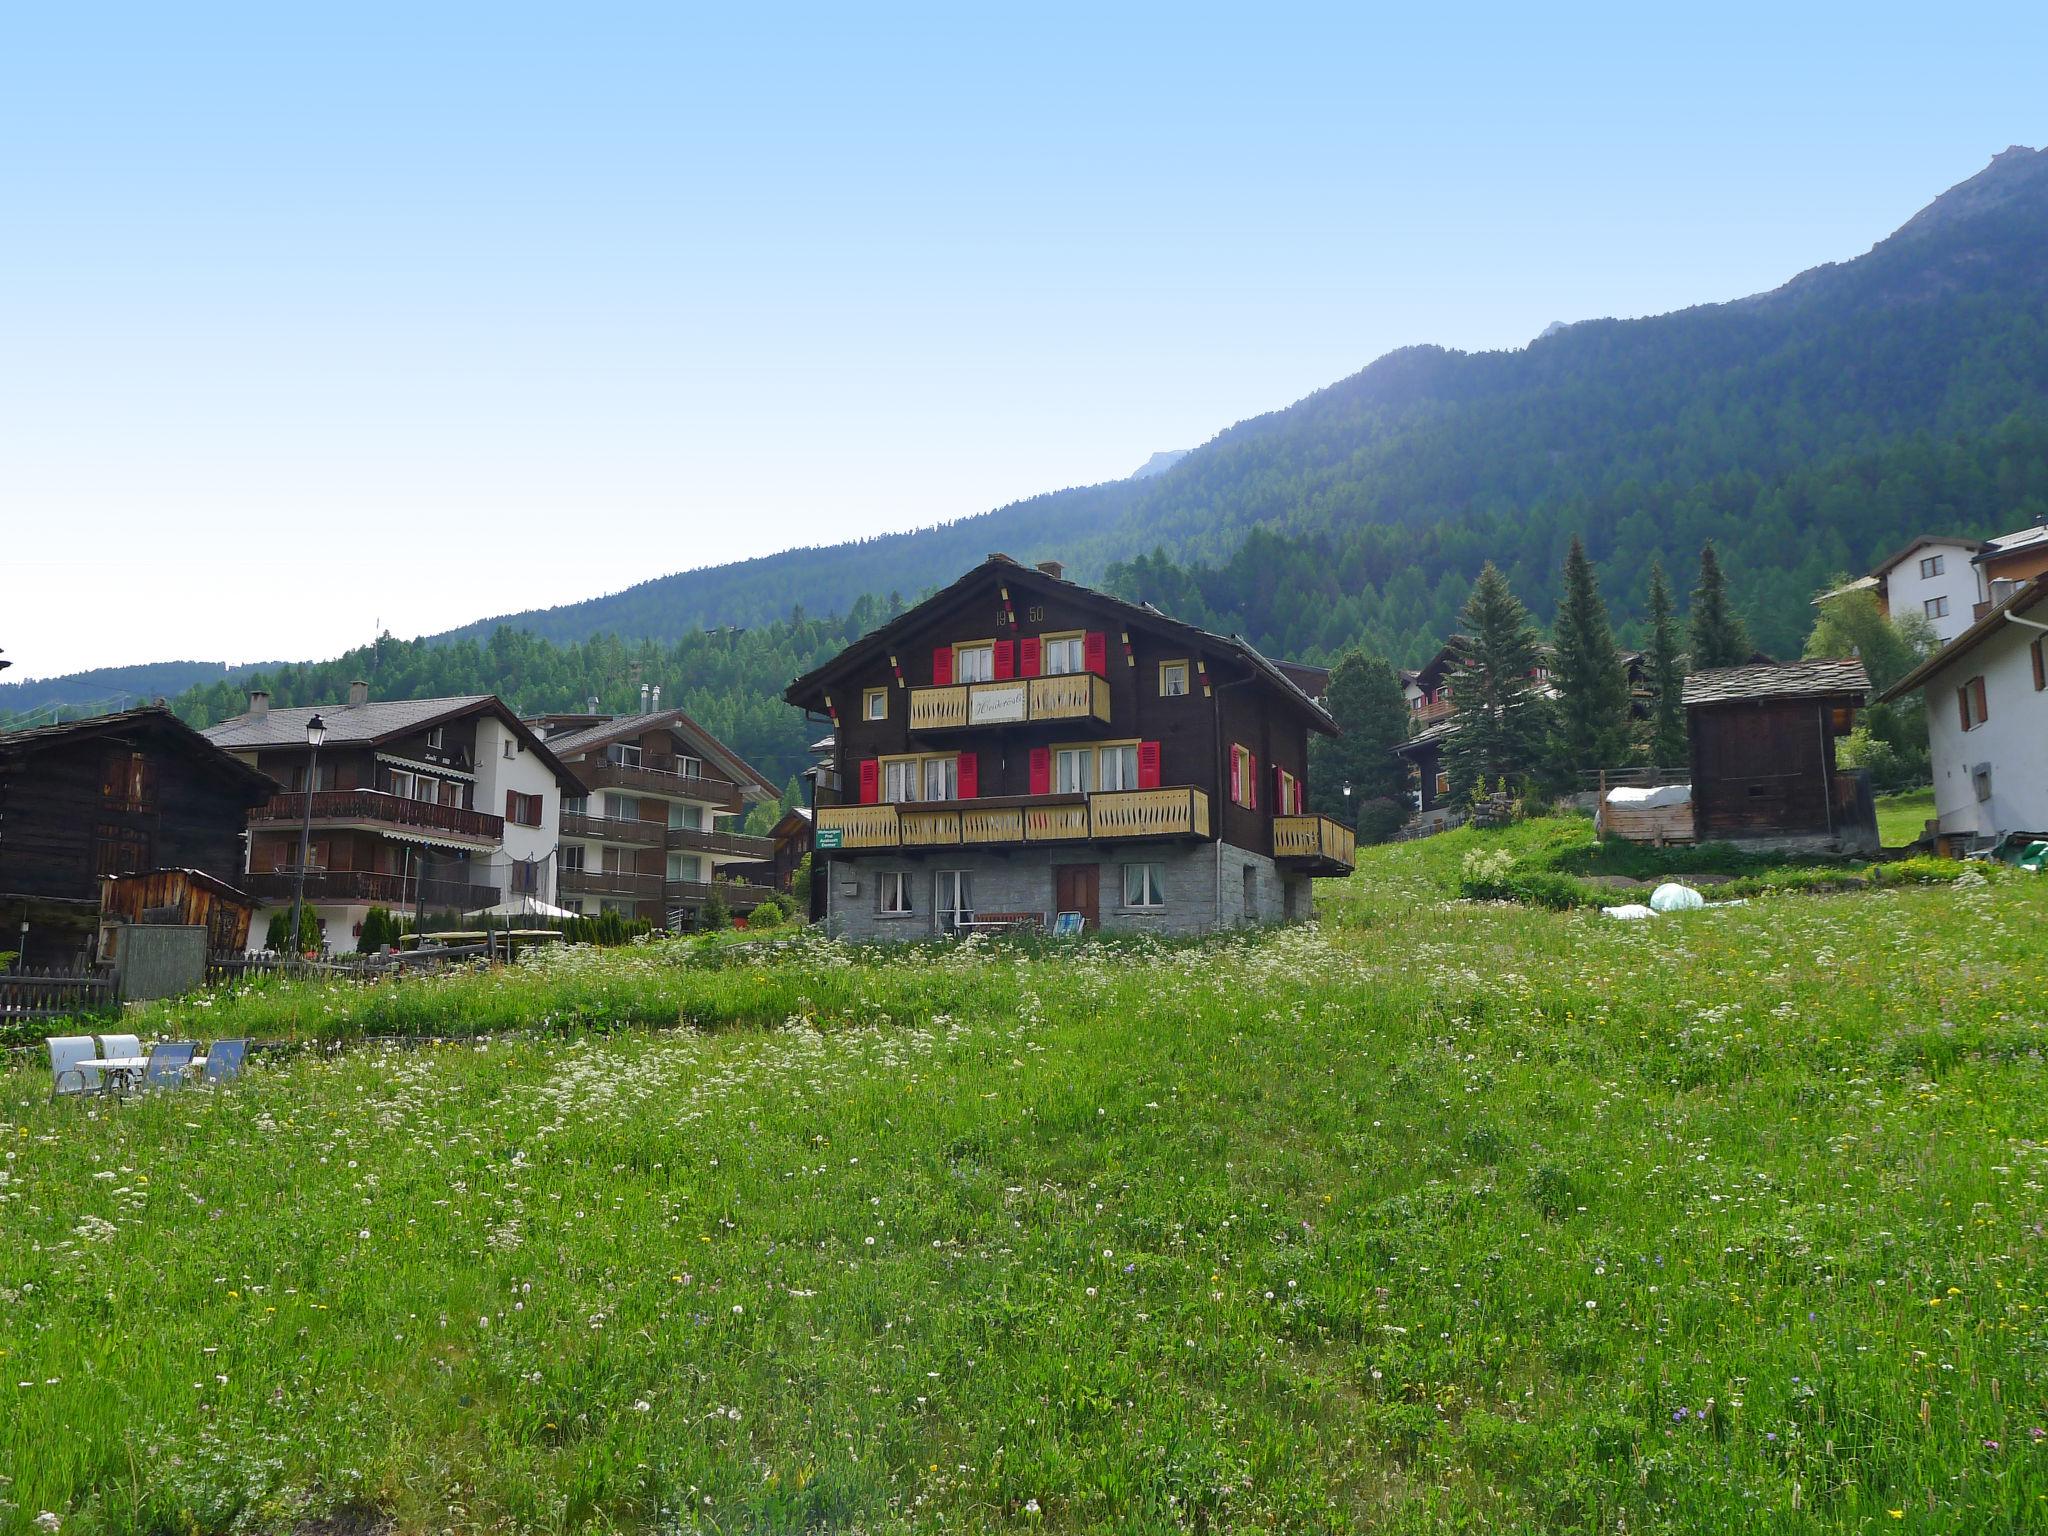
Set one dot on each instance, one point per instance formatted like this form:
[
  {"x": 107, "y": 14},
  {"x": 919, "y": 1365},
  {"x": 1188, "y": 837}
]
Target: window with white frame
[
  {"x": 435, "y": 737},
  {"x": 1073, "y": 770},
  {"x": 1144, "y": 885},
  {"x": 573, "y": 855},
  {"x": 894, "y": 892},
  {"x": 1064, "y": 654},
  {"x": 900, "y": 779},
  {"x": 942, "y": 778},
  {"x": 690, "y": 767},
  {"x": 1937, "y": 607},
  {"x": 621, "y": 807},
  {"x": 953, "y": 897},
  {"x": 1931, "y": 566},
  {"x": 626, "y": 754},
  {"x": 875, "y": 704},
  {"x": 1173, "y": 679},
  {"x": 1116, "y": 767},
  {"x": 974, "y": 663}
]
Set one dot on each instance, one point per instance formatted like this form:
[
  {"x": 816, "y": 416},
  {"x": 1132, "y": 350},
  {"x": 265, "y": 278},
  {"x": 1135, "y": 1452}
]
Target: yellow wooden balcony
[
  {"x": 1330, "y": 847},
  {"x": 1108, "y": 815},
  {"x": 1017, "y": 701}
]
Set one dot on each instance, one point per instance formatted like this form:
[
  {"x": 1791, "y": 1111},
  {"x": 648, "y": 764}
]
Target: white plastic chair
[
  {"x": 71, "y": 1064},
  {"x": 120, "y": 1045},
  {"x": 168, "y": 1063}
]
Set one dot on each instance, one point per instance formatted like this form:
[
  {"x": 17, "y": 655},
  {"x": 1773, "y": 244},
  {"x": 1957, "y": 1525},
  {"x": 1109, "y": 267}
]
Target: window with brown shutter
[{"x": 2040, "y": 664}]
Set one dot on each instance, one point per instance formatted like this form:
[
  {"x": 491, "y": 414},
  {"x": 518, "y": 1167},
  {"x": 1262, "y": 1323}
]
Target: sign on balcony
[
  {"x": 830, "y": 837},
  {"x": 997, "y": 706}
]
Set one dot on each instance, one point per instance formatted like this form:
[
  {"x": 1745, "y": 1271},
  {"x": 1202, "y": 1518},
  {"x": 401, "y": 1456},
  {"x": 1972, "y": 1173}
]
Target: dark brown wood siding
[{"x": 1762, "y": 767}]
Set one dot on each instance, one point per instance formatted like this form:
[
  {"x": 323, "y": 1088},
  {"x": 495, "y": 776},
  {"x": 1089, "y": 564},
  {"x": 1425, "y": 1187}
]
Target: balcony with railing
[
  {"x": 657, "y": 778},
  {"x": 374, "y": 809},
  {"x": 740, "y": 896},
  {"x": 1429, "y": 711},
  {"x": 375, "y": 887},
  {"x": 1011, "y": 821},
  {"x": 623, "y": 885},
  {"x": 613, "y": 829},
  {"x": 1315, "y": 845},
  {"x": 738, "y": 844},
  {"x": 1018, "y": 701}
]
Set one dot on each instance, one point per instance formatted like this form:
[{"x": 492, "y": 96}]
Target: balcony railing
[
  {"x": 611, "y": 882},
  {"x": 1316, "y": 840},
  {"x": 739, "y": 896},
  {"x": 738, "y": 844},
  {"x": 612, "y": 829},
  {"x": 375, "y": 887},
  {"x": 1120, "y": 815},
  {"x": 651, "y": 780},
  {"x": 1018, "y": 701},
  {"x": 372, "y": 807},
  {"x": 1431, "y": 709}
]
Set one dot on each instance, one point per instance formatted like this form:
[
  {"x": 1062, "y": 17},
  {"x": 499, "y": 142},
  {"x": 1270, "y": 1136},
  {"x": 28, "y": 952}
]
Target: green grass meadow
[{"x": 1438, "y": 1215}]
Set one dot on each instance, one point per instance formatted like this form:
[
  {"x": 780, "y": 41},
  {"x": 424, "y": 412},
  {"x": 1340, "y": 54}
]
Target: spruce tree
[
  {"x": 1666, "y": 671},
  {"x": 1718, "y": 638},
  {"x": 1365, "y": 700},
  {"x": 1502, "y": 721},
  {"x": 1591, "y": 727}
]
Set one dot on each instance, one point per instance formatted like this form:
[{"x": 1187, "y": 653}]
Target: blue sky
[{"x": 421, "y": 313}]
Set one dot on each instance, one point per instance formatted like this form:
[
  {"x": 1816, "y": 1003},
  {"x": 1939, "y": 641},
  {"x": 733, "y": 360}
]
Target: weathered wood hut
[
  {"x": 190, "y": 897},
  {"x": 1763, "y": 756},
  {"x": 113, "y": 795}
]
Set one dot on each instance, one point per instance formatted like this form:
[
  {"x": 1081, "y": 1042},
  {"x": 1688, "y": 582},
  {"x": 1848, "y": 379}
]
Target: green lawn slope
[{"x": 1438, "y": 1215}]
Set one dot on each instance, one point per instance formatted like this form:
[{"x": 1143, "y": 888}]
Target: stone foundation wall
[{"x": 1022, "y": 881}]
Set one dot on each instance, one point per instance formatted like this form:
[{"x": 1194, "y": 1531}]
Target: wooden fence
[{"x": 34, "y": 994}]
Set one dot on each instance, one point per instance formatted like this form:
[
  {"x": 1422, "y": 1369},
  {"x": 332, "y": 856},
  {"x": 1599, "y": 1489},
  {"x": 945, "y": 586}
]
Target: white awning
[
  {"x": 435, "y": 840},
  {"x": 433, "y": 770}
]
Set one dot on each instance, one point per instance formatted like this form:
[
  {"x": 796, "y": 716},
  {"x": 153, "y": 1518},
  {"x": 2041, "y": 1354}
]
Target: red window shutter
[
  {"x": 1041, "y": 770},
  {"x": 1003, "y": 665},
  {"x": 1148, "y": 765},
  {"x": 942, "y": 667},
  {"x": 1095, "y": 652},
  {"x": 1279, "y": 790},
  {"x": 870, "y": 781},
  {"x": 511, "y": 805},
  {"x": 970, "y": 776},
  {"x": 1983, "y": 709},
  {"x": 1251, "y": 779},
  {"x": 1031, "y": 655}
]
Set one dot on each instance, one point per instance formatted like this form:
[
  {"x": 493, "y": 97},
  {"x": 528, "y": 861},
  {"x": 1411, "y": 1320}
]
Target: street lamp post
[{"x": 316, "y": 732}]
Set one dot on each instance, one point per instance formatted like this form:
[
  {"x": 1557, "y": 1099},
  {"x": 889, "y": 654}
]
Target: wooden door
[{"x": 1078, "y": 888}]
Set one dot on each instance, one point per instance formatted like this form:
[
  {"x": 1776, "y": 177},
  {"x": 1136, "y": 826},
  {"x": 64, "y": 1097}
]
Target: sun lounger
[{"x": 168, "y": 1063}]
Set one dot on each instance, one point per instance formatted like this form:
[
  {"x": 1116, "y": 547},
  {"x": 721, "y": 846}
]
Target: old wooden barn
[
  {"x": 1763, "y": 756},
  {"x": 117, "y": 794}
]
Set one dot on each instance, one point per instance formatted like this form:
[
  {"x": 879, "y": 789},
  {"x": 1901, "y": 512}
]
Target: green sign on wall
[{"x": 830, "y": 837}]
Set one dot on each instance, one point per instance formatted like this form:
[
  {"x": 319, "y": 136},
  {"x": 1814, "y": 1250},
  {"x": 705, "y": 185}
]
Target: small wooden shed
[
  {"x": 1763, "y": 755},
  {"x": 185, "y": 896}
]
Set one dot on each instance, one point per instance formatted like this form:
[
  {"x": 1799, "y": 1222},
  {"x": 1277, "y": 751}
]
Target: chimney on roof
[
  {"x": 654, "y": 702},
  {"x": 1053, "y": 569},
  {"x": 358, "y": 694},
  {"x": 643, "y": 698},
  {"x": 259, "y": 702},
  {"x": 590, "y": 703}
]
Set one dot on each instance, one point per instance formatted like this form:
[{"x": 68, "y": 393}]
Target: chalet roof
[
  {"x": 1777, "y": 680},
  {"x": 1002, "y": 568},
  {"x": 2006, "y": 543},
  {"x": 2030, "y": 595},
  {"x": 197, "y": 877},
  {"x": 1860, "y": 584},
  {"x": 1428, "y": 736},
  {"x": 618, "y": 727},
  {"x": 372, "y": 724},
  {"x": 1921, "y": 541},
  {"x": 151, "y": 719}
]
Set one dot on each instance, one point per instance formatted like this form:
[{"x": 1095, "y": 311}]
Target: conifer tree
[
  {"x": 1365, "y": 700},
  {"x": 1502, "y": 722},
  {"x": 1666, "y": 672},
  {"x": 1591, "y": 728},
  {"x": 1718, "y": 637}
]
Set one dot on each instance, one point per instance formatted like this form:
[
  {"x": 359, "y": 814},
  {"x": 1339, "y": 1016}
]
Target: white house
[
  {"x": 1932, "y": 576},
  {"x": 1987, "y": 720}
]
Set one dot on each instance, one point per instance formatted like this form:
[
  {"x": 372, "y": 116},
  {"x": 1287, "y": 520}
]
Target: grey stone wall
[{"x": 1022, "y": 881}]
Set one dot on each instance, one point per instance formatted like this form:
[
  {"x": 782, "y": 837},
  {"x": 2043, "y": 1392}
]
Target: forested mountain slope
[{"x": 1646, "y": 435}]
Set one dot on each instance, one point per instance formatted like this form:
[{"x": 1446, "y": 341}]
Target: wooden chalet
[
  {"x": 1018, "y": 746},
  {"x": 115, "y": 795},
  {"x": 658, "y": 826},
  {"x": 1763, "y": 755}
]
